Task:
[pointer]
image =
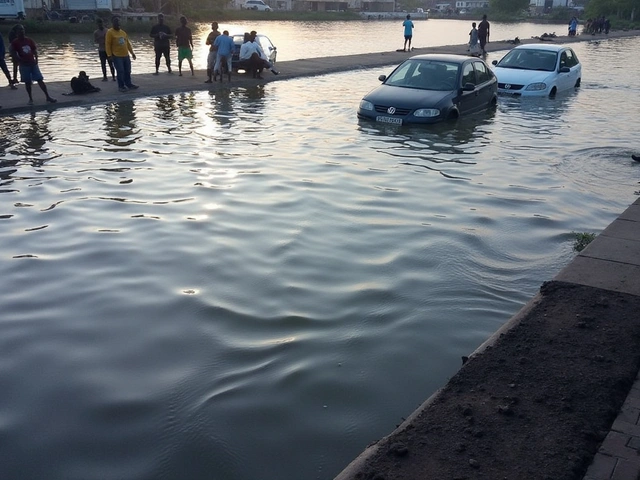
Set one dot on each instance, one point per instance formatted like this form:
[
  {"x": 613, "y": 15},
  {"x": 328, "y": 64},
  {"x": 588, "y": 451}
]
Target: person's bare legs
[
  {"x": 50, "y": 99},
  {"x": 27, "y": 87}
]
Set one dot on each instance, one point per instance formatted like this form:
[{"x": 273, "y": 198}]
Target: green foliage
[
  {"x": 581, "y": 240},
  {"x": 562, "y": 14},
  {"x": 623, "y": 9},
  {"x": 509, "y": 6}
]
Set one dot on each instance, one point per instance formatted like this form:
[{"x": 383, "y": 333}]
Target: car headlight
[
  {"x": 366, "y": 105},
  {"x": 426, "y": 112},
  {"x": 536, "y": 86}
]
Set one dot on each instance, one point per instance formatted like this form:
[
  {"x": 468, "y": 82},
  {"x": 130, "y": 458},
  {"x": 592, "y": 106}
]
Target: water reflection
[
  {"x": 221, "y": 108},
  {"x": 252, "y": 100},
  {"x": 167, "y": 107},
  {"x": 31, "y": 145},
  {"x": 326, "y": 256},
  {"x": 120, "y": 124},
  {"x": 187, "y": 105},
  {"x": 62, "y": 55},
  {"x": 435, "y": 147}
]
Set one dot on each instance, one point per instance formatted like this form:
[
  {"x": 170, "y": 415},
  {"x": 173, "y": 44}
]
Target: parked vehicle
[
  {"x": 267, "y": 46},
  {"x": 540, "y": 70},
  {"x": 12, "y": 10},
  {"x": 256, "y": 5},
  {"x": 431, "y": 88}
]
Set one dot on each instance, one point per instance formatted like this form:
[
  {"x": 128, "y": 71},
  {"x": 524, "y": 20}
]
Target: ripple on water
[{"x": 223, "y": 276}]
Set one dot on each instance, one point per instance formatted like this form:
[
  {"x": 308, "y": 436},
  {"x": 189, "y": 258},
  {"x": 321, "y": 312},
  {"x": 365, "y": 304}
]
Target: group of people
[
  {"x": 115, "y": 49},
  {"x": 116, "y": 52},
  {"x": 597, "y": 25},
  {"x": 252, "y": 57},
  {"x": 592, "y": 25},
  {"x": 479, "y": 37}
]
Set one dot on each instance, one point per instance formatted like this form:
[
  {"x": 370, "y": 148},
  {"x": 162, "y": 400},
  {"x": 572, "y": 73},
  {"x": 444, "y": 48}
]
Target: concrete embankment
[
  {"x": 15, "y": 101},
  {"x": 551, "y": 395}
]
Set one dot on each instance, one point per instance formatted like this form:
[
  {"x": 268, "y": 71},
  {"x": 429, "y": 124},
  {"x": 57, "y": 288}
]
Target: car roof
[
  {"x": 242, "y": 35},
  {"x": 541, "y": 46},
  {"x": 444, "y": 57}
]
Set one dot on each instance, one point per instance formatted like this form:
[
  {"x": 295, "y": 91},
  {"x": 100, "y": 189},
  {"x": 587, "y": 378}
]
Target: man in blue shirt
[
  {"x": 223, "y": 45},
  {"x": 408, "y": 33}
]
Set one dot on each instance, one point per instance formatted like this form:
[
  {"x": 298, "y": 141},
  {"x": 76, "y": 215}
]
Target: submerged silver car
[{"x": 431, "y": 88}]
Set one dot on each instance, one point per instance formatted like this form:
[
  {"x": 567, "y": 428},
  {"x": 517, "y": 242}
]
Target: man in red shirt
[{"x": 25, "y": 53}]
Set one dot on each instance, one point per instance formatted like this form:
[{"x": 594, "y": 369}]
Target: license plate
[{"x": 383, "y": 119}]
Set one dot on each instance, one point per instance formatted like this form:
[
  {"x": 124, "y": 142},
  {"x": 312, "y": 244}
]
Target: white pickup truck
[{"x": 12, "y": 9}]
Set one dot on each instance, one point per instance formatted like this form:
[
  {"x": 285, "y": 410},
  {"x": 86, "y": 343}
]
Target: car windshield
[
  {"x": 523, "y": 59},
  {"x": 266, "y": 44},
  {"x": 426, "y": 75}
]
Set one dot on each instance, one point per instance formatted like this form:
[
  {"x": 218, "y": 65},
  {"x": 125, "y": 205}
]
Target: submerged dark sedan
[{"x": 431, "y": 88}]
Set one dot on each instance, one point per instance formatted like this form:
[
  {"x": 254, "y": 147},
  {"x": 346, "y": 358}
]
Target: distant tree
[
  {"x": 623, "y": 9},
  {"x": 509, "y": 6}
]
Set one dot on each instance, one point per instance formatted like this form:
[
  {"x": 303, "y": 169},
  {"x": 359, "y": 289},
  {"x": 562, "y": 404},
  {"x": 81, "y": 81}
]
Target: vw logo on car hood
[
  {"x": 391, "y": 110},
  {"x": 507, "y": 86}
]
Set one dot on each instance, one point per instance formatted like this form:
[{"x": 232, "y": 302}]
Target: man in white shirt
[{"x": 253, "y": 57}]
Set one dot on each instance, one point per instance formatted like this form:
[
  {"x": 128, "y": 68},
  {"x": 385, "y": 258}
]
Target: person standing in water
[
  {"x": 184, "y": 42},
  {"x": 408, "y": 33},
  {"x": 483, "y": 33},
  {"x": 211, "y": 58},
  {"x": 474, "y": 49},
  {"x": 3, "y": 64},
  {"x": 25, "y": 53},
  {"x": 118, "y": 48},
  {"x": 98, "y": 37},
  {"x": 161, "y": 35}
]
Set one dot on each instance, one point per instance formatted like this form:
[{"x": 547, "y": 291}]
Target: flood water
[
  {"x": 251, "y": 284},
  {"x": 63, "y": 56}
]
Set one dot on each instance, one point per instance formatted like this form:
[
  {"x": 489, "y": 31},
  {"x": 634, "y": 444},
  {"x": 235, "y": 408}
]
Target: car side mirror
[
  {"x": 565, "y": 69},
  {"x": 495, "y": 62},
  {"x": 382, "y": 78},
  {"x": 469, "y": 87}
]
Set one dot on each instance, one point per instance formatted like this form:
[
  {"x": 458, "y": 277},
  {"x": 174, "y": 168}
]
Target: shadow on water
[{"x": 120, "y": 124}]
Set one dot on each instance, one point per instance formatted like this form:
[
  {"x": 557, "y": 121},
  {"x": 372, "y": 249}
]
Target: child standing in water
[{"x": 474, "y": 48}]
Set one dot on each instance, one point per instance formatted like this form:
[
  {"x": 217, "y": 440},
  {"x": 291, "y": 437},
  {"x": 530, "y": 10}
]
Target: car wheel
[
  {"x": 577, "y": 83},
  {"x": 453, "y": 114},
  {"x": 553, "y": 92}
]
